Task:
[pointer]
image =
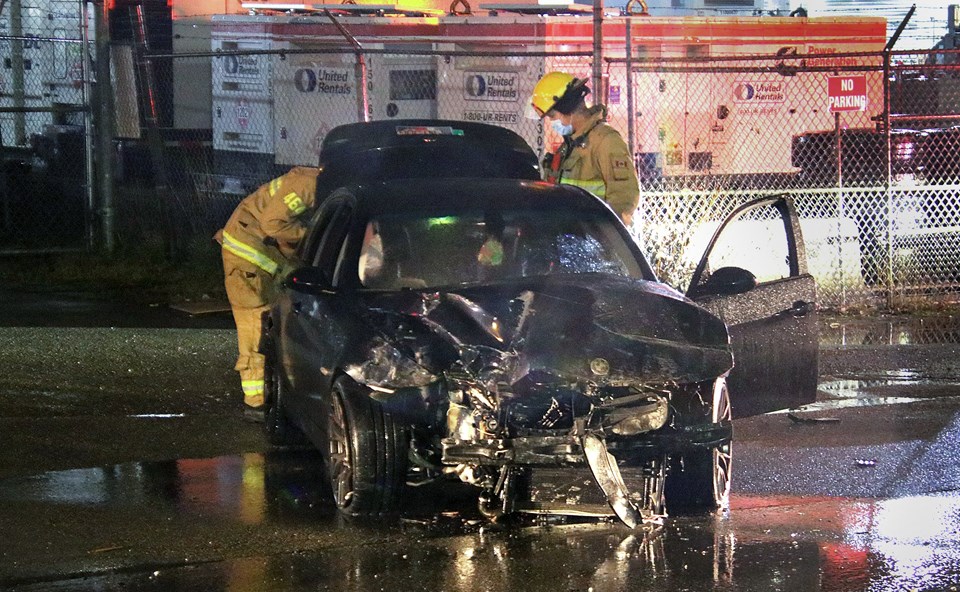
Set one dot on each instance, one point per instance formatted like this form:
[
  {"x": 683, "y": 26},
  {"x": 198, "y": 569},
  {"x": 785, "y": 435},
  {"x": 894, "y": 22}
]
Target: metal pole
[
  {"x": 631, "y": 108},
  {"x": 88, "y": 137},
  {"x": 363, "y": 102},
  {"x": 17, "y": 73},
  {"x": 886, "y": 125},
  {"x": 598, "y": 91},
  {"x": 888, "y": 195},
  {"x": 886, "y": 121},
  {"x": 836, "y": 127},
  {"x": 900, "y": 28},
  {"x": 105, "y": 125}
]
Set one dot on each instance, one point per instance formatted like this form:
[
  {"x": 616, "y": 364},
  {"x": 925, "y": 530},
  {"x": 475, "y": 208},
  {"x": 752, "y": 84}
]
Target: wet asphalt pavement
[{"x": 125, "y": 464}]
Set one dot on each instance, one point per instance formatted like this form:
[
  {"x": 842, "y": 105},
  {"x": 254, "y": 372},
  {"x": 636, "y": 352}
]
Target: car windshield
[{"x": 413, "y": 250}]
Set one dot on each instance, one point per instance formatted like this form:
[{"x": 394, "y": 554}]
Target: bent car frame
[{"x": 509, "y": 333}]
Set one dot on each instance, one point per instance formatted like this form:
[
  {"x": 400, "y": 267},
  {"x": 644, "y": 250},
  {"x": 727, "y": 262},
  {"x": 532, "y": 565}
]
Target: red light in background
[{"x": 844, "y": 567}]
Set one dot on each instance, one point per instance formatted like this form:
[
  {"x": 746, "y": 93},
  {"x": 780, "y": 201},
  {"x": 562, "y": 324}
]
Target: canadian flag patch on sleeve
[{"x": 621, "y": 167}]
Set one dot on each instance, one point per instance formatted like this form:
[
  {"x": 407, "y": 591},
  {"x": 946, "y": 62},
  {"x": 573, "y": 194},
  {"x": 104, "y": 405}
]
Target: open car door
[{"x": 754, "y": 276}]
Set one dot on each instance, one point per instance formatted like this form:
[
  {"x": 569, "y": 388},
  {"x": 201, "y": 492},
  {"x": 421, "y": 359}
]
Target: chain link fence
[
  {"x": 865, "y": 143},
  {"x": 44, "y": 90},
  {"x": 880, "y": 220}
]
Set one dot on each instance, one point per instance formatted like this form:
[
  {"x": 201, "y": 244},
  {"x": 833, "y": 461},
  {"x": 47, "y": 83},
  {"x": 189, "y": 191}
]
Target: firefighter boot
[{"x": 253, "y": 398}]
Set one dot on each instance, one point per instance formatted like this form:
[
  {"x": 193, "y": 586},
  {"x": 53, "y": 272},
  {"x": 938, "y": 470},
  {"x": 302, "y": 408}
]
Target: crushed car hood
[{"x": 583, "y": 327}]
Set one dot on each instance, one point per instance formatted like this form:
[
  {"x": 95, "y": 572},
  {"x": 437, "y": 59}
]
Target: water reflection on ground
[
  {"x": 853, "y": 332},
  {"x": 761, "y": 543},
  {"x": 837, "y": 394},
  {"x": 877, "y": 361}
]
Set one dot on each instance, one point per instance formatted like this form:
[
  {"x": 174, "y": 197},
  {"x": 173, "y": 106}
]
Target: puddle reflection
[
  {"x": 761, "y": 543},
  {"x": 899, "y": 331},
  {"x": 249, "y": 488},
  {"x": 836, "y": 394}
]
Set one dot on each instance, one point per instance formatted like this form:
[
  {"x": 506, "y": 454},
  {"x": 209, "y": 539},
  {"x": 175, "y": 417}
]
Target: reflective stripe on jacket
[
  {"x": 249, "y": 253},
  {"x": 598, "y": 160}
]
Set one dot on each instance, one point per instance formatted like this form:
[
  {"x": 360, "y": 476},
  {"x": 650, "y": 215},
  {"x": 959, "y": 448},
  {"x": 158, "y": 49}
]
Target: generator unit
[{"x": 273, "y": 111}]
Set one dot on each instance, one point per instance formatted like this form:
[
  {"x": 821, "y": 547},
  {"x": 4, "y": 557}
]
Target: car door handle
[{"x": 800, "y": 308}]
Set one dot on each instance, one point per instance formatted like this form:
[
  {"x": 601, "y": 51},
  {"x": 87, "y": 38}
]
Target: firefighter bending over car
[
  {"x": 593, "y": 155},
  {"x": 258, "y": 243}
]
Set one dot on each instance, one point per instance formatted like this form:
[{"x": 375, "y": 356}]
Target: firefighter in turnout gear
[
  {"x": 258, "y": 242},
  {"x": 593, "y": 154}
]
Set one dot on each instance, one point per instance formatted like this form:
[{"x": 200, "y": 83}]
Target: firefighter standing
[
  {"x": 593, "y": 154},
  {"x": 258, "y": 242}
]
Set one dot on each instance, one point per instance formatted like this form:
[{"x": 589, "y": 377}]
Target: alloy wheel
[{"x": 339, "y": 458}]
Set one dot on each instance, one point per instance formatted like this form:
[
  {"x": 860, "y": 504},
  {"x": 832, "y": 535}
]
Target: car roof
[
  {"x": 418, "y": 148},
  {"x": 463, "y": 194}
]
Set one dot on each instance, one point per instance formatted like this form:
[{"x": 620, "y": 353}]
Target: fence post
[
  {"x": 631, "y": 109},
  {"x": 840, "y": 197},
  {"x": 360, "y": 69},
  {"x": 886, "y": 121},
  {"x": 598, "y": 94},
  {"x": 104, "y": 125},
  {"x": 17, "y": 73},
  {"x": 888, "y": 194},
  {"x": 90, "y": 172}
]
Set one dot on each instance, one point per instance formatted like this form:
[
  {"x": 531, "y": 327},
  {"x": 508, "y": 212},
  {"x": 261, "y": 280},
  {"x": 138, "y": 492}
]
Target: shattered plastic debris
[
  {"x": 865, "y": 462},
  {"x": 607, "y": 474},
  {"x": 798, "y": 419},
  {"x": 105, "y": 549}
]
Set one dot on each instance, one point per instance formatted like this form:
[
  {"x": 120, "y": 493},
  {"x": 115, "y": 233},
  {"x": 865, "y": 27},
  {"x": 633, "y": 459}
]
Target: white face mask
[{"x": 559, "y": 127}]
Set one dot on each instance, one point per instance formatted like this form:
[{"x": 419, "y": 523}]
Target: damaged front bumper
[
  {"x": 567, "y": 449},
  {"x": 582, "y": 472}
]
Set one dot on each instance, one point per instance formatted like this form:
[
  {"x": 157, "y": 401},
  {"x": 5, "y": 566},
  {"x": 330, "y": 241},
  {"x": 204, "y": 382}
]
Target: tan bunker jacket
[{"x": 598, "y": 160}]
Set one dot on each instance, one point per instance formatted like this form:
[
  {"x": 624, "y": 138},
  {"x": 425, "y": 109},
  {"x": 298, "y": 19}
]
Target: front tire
[
  {"x": 699, "y": 480},
  {"x": 366, "y": 454}
]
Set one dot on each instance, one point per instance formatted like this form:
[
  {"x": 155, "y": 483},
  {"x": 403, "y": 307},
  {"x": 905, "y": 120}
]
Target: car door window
[
  {"x": 316, "y": 228},
  {"x": 333, "y": 243},
  {"x": 755, "y": 241},
  {"x": 760, "y": 237}
]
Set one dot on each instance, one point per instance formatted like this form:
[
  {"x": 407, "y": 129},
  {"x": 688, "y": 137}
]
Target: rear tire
[
  {"x": 366, "y": 455},
  {"x": 699, "y": 480},
  {"x": 278, "y": 428}
]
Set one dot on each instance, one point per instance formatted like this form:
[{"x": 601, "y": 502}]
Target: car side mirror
[
  {"x": 310, "y": 280},
  {"x": 727, "y": 281}
]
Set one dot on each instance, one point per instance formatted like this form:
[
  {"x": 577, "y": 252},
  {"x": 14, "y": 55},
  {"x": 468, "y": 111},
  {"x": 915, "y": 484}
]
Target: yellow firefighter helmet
[{"x": 557, "y": 90}]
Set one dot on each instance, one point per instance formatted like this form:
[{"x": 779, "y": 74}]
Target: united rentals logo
[
  {"x": 241, "y": 65},
  {"x": 758, "y": 92},
  {"x": 322, "y": 80},
  {"x": 492, "y": 86}
]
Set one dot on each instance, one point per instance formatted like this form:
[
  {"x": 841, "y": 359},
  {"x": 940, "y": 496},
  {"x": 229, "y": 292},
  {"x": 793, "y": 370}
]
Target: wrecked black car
[{"x": 509, "y": 333}]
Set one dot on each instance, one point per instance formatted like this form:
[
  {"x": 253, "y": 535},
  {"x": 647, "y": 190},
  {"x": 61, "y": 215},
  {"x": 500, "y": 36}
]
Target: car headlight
[
  {"x": 388, "y": 368},
  {"x": 650, "y": 416}
]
